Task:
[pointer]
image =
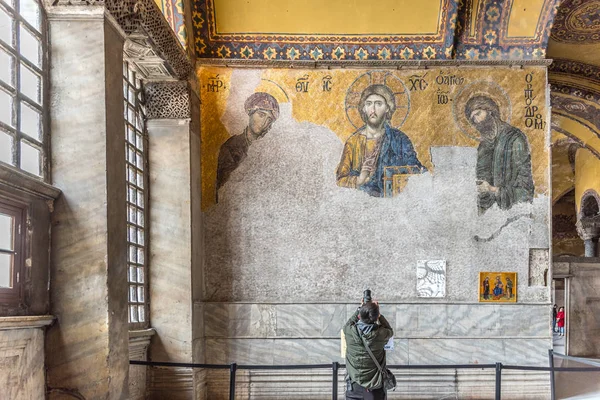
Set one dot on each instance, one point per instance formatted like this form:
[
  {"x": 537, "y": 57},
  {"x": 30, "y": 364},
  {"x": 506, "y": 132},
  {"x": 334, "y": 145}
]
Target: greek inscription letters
[
  {"x": 417, "y": 82},
  {"x": 533, "y": 119},
  {"x": 214, "y": 84},
  {"x": 302, "y": 84},
  {"x": 442, "y": 97},
  {"x": 327, "y": 83},
  {"x": 449, "y": 80}
]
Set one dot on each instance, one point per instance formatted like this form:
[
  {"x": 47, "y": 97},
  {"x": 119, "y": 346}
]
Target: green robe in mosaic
[{"x": 505, "y": 163}]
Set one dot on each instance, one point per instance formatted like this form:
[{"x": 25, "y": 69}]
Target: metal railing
[{"x": 335, "y": 367}]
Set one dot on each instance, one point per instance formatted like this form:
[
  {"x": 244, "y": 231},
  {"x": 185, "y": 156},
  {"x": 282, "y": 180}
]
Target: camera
[{"x": 367, "y": 296}]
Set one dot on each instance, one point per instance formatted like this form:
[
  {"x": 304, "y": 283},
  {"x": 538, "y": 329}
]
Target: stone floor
[{"x": 558, "y": 343}]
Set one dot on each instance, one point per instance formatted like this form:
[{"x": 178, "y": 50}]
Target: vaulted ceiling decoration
[
  {"x": 510, "y": 29},
  {"x": 338, "y": 30},
  {"x": 574, "y": 75}
]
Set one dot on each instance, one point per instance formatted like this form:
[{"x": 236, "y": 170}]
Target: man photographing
[{"x": 364, "y": 379}]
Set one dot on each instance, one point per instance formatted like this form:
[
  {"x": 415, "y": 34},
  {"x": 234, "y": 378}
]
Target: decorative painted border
[
  {"x": 569, "y": 67},
  {"x": 491, "y": 41},
  {"x": 570, "y": 108},
  {"x": 563, "y": 29},
  {"x": 173, "y": 10},
  {"x": 575, "y": 139},
  {"x": 370, "y": 64},
  {"x": 327, "y": 47}
]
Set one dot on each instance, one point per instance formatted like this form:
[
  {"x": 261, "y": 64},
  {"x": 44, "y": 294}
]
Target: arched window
[{"x": 23, "y": 65}]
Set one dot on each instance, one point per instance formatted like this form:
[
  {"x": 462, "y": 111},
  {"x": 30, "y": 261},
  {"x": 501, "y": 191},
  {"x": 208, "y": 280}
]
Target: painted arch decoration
[{"x": 173, "y": 10}]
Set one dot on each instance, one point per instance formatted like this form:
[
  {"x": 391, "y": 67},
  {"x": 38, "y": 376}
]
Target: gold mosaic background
[{"x": 435, "y": 116}]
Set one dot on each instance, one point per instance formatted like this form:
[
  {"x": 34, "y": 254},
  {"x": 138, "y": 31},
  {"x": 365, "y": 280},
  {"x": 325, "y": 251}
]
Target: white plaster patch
[{"x": 431, "y": 278}]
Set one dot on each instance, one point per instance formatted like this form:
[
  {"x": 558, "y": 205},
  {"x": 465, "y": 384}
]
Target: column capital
[
  {"x": 588, "y": 227},
  {"x": 167, "y": 100}
]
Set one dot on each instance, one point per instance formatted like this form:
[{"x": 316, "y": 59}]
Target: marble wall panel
[
  {"x": 471, "y": 384},
  {"x": 411, "y": 351},
  {"x": 173, "y": 383},
  {"x": 479, "y": 351},
  {"x": 170, "y": 235},
  {"x": 87, "y": 348},
  {"x": 230, "y": 320},
  {"x": 310, "y": 319},
  {"x": 583, "y": 319},
  {"x": 233, "y": 320},
  {"x": 22, "y": 364}
]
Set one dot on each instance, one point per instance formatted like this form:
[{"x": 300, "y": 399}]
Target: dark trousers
[{"x": 360, "y": 393}]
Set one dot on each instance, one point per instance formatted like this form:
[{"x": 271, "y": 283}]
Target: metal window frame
[
  {"x": 42, "y": 146},
  {"x": 130, "y": 81},
  {"x": 14, "y": 295}
]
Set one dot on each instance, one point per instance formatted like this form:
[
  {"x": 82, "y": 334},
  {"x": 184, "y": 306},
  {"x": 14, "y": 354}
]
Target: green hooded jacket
[{"x": 359, "y": 366}]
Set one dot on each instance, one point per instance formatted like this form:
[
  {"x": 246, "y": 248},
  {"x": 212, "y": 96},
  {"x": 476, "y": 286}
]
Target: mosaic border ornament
[
  {"x": 490, "y": 38},
  {"x": 209, "y": 44}
]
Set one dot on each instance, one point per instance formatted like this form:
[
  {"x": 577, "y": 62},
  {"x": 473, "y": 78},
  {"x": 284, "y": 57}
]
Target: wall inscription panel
[{"x": 320, "y": 182}]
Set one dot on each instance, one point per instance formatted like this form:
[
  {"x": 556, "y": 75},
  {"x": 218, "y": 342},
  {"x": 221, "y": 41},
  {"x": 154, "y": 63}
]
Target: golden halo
[
  {"x": 383, "y": 78},
  {"x": 479, "y": 88}
]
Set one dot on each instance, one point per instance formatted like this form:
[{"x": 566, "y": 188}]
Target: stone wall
[{"x": 289, "y": 249}]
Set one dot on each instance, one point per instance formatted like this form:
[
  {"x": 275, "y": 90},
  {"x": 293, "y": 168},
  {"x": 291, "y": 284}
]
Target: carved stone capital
[
  {"x": 148, "y": 19},
  {"x": 588, "y": 227},
  {"x": 167, "y": 100},
  {"x": 150, "y": 66}
]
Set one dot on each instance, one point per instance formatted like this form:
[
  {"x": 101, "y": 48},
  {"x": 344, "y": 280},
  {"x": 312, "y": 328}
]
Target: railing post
[
  {"x": 498, "y": 381},
  {"x": 551, "y": 361},
  {"x": 232, "y": 369},
  {"x": 335, "y": 367}
]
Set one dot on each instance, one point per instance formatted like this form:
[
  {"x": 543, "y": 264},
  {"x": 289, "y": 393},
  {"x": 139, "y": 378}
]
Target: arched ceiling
[
  {"x": 574, "y": 75},
  {"x": 318, "y": 30}
]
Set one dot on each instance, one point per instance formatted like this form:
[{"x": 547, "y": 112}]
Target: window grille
[
  {"x": 137, "y": 197},
  {"x": 23, "y": 64}
]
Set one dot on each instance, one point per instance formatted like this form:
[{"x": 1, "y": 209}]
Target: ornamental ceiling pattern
[
  {"x": 464, "y": 29},
  {"x": 577, "y": 22},
  {"x": 173, "y": 10}
]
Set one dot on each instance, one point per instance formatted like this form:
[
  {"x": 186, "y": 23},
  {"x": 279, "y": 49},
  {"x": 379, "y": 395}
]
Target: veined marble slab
[{"x": 233, "y": 320}]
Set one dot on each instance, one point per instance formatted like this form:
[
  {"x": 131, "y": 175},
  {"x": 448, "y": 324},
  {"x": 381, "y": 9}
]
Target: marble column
[
  {"x": 175, "y": 229},
  {"x": 590, "y": 246},
  {"x": 87, "y": 348},
  {"x": 588, "y": 229}
]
